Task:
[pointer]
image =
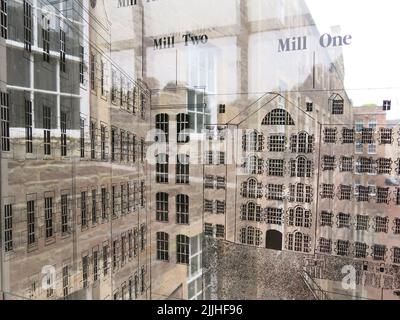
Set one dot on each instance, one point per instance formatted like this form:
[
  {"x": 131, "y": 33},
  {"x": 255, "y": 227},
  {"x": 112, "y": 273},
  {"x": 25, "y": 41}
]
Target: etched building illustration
[{"x": 133, "y": 170}]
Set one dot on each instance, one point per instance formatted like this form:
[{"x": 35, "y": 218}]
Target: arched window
[
  {"x": 299, "y": 217},
  {"x": 251, "y": 189},
  {"x": 251, "y": 212},
  {"x": 182, "y": 249},
  {"x": 162, "y": 246},
  {"x": 302, "y": 143},
  {"x": 162, "y": 206},
  {"x": 182, "y": 169},
  {"x": 162, "y": 126},
  {"x": 298, "y": 242},
  {"x": 253, "y": 141},
  {"x": 253, "y": 165},
  {"x": 301, "y": 167},
  {"x": 182, "y": 126},
  {"x": 250, "y": 235},
  {"x": 162, "y": 168},
  {"x": 182, "y": 209},
  {"x": 278, "y": 117}
]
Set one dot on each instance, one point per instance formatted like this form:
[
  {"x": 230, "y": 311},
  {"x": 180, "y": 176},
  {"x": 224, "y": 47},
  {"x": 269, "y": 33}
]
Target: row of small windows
[
  {"x": 182, "y": 126},
  {"x": 300, "y": 167},
  {"x": 217, "y": 231},
  {"x": 381, "y": 195},
  {"x": 359, "y": 222},
  {"x": 358, "y": 250},
  {"x": 299, "y": 143},
  {"x": 47, "y": 218},
  {"x": 182, "y": 208},
  {"x": 216, "y": 206},
  {"x": 296, "y": 217},
  {"x": 182, "y": 247},
  {"x": 126, "y": 147},
  {"x": 384, "y": 136},
  {"x": 181, "y": 168},
  {"x": 217, "y": 158},
  {"x": 298, "y": 192}
]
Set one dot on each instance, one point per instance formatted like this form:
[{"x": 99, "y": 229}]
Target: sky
[{"x": 372, "y": 61}]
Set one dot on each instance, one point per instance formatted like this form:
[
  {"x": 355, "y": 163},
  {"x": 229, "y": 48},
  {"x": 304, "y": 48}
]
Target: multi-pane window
[
  {"x": 84, "y": 213},
  {"x": 337, "y": 105},
  {"x": 330, "y": 135},
  {"x": 105, "y": 259},
  {"x": 384, "y": 165},
  {"x": 397, "y": 196},
  {"x": 298, "y": 242},
  {"x": 3, "y": 19},
  {"x": 64, "y": 214},
  {"x": 103, "y": 131},
  {"x": 362, "y": 222},
  {"x": 46, "y": 38},
  {"x": 348, "y": 135},
  {"x": 182, "y": 169},
  {"x": 142, "y": 194},
  {"x": 102, "y": 78},
  {"x": 302, "y": 143},
  {"x": 65, "y": 281},
  {"x": 142, "y": 105},
  {"x": 182, "y": 124},
  {"x": 251, "y": 189},
  {"x": 31, "y": 222},
  {"x": 208, "y": 158},
  {"x": 209, "y": 182},
  {"x": 221, "y": 182},
  {"x": 367, "y": 135},
  {"x": 93, "y": 136},
  {"x": 343, "y": 220},
  {"x": 346, "y": 164},
  {"x": 276, "y": 143},
  {"x": 162, "y": 127},
  {"x": 95, "y": 265},
  {"x": 47, "y": 130},
  {"x": 8, "y": 228},
  {"x": 273, "y": 216},
  {"x": 301, "y": 167},
  {"x": 396, "y": 226},
  {"x": 28, "y": 127},
  {"x": 221, "y": 158},
  {"x": 327, "y": 191},
  {"x": 122, "y": 199},
  {"x": 5, "y": 121},
  {"x": 220, "y": 231},
  {"x": 220, "y": 207},
  {"x": 208, "y": 206},
  {"x": 28, "y": 26},
  {"x": 104, "y": 203},
  {"x": 309, "y": 106},
  {"x": 250, "y": 212},
  {"x": 275, "y": 167},
  {"x": 162, "y": 246},
  {"x": 92, "y": 71},
  {"x": 365, "y": 165},
  {"x": 386, "y": 135},
  {"x": 250, "y": 235},
  {"x": 396, "y": 255},
  {"x": 325, "y": 245},
  {"x": 382, "y": 195},
  {"x": 274, "y": 192},
  {"x": 162, "y": 168},
  {"x": 48, "y": 216},
  {"x": 381, "y": 224},
  {"x": 115, "y": 250},
  {"x": 182, "y": 209},
  {"x": 342, "y": 247},
  {"x": 253, "y": 141},
  {"x": 328, "y": 163},
  {"x": 299, "y": 217},
  {"x": 62, "y": 51},
  {"x": 278, "y": 117},
  {"x": 326, "y": 219},
  {"x": 63, "y": 124},
  {"x": 300, "y": 193},
  {"x": 360, "y": 250},
  {"x": 142, "y": 150},
  {"x": 253, "y": 165},
  {"x": 363, "y": 193},
  {"x": 85, "y": 271},
  {"x": 345, "y": 192},
  {"x": 208, "y": 229},
  {"x": 162, "y": 206},
  {"x": 378, "y": 252},
  {"x": 182, "y": 249}
]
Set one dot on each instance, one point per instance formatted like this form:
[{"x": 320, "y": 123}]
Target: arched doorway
[{"x": 273, "y": 240}]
